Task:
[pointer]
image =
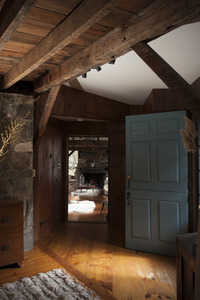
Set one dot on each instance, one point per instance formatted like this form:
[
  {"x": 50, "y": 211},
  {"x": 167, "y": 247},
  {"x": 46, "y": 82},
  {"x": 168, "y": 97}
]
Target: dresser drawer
[
  {"x": 11, "y": 218},
  {"x": 11, "y": 248}
]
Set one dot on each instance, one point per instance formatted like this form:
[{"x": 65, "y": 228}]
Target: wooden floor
[{"x": 97, "y": 251}]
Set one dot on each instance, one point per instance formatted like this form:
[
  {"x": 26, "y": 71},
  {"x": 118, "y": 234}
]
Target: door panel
[
  {"x": 141, "y": 223},
  {"x": 169, "y": 221},
  {"x": 156, "y": 169},
  {"x": 141, "y": 160},
  {"x": 168, "y": 161}
]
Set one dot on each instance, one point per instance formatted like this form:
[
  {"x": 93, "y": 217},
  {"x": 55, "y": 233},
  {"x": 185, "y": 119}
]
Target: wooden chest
[
  {"x": 186, "y": 265},
  {"x": 11, "y": 232}
]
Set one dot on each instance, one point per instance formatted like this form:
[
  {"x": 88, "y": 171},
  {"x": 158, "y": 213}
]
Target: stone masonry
[{"x": 16, "y": 169}]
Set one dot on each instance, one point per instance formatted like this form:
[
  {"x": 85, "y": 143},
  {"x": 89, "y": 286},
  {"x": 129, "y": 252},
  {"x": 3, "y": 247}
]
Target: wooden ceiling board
[
  {"x": 61, "y": 6},
  {"x": 46, "y": 15},
  {"x": 11, "y": 54},
  {"x": 134, "y": 6},
  {"x": 17, "y": 47},
  {"x": 35, "y": 27},
  {"x": 26, "y": 38},
  {"x": 77, "y": 22}
]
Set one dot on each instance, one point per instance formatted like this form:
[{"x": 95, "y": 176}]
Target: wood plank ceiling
[{"x": 44, "y": 43}]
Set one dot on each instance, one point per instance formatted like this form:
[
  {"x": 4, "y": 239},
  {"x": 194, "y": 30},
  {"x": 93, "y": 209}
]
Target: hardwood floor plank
[
  {"x": 100, "y": 264},
  {"x": 170, "y": 266},
  {"x": 127, "y": 283},
  {"x": 79, "y": 253},
  {"x": 97, "y": 250},
  {"x": 156, "y": 282},
  {"x": 95, "y": 254}
]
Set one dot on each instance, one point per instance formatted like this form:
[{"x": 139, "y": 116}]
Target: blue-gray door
[{"x": 156, "y": 176}]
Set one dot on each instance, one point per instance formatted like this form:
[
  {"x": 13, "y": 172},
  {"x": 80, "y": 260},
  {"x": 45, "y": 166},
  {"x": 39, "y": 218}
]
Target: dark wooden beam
[
  {"x": 170, "y": 77},
  {"x": 12, "y": 15},
  {"x": 159, "y": 17},
  {"x": 82, "y": 18},
  {"x": 21, "y": 87},
  {"x": 46, "y": 114}
]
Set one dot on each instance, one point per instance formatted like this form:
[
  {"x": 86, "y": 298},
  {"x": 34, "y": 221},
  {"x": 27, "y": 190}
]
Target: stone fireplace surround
[
  {"x": 93, "y": 165},
  {"x": 94, "y": 176}
]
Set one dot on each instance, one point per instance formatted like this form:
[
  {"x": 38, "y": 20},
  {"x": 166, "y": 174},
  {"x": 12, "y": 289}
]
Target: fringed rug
[
  {"x": 84, "y": 206},
  {"x": 55, "y": 284}
]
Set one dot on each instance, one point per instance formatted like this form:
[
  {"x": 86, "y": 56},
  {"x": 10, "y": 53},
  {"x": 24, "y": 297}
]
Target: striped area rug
[{"x": 55, "y": 284}]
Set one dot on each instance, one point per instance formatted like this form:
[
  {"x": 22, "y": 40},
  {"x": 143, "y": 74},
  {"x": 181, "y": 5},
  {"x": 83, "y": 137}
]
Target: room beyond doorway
[{"x": 88, "y": 179}]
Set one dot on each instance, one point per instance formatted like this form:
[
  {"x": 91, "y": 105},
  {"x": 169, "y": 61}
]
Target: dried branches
[
  {"x": 188, "y": 135},
  {"x": 10, "y": 135}
]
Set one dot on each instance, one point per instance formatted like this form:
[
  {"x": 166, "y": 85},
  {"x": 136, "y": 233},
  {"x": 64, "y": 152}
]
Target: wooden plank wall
[
  {"x": 162, "y": 100},
  {"x": 48, "y": 180},
  {"x": 79, "y": 104}
]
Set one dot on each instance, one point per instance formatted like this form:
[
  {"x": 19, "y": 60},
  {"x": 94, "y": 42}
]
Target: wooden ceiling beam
[
  {"x": 12, "y": 15},
  {"x": 82, "y": 18},
  {"x": 149, "y": 23},
  {"x": 182, "y": 89},
  {"x": 46, "y": 114}
]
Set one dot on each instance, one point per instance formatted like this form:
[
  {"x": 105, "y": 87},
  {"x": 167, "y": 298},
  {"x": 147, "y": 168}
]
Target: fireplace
[{"x": 94, "y": 176}]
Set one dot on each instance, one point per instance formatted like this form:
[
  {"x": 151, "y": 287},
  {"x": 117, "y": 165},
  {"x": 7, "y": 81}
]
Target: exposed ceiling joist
[
  {"x": 151, "y": 22},
  {"x": 11, "y": 16},
  {"x": 46, "y": 114},
  {"x": 82, "y": 18},
  {"x": 170, "y": 77}
]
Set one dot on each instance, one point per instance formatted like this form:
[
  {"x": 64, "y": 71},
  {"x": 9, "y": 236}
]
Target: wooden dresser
[
  {"x": 186, "y": 265},
  {"x": 11, "y": 232}
]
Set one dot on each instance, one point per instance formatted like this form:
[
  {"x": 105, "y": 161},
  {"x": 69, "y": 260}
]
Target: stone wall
[
  {"x": 16, "y": 169},
  {"x": 97, "y": 157},
  {"x": 93, "y": 164}
]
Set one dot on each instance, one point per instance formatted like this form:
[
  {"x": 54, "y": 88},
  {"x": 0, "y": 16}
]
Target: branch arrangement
[
  {"x": 11, "y": 135},
  {"x": 189, "y": 135}
]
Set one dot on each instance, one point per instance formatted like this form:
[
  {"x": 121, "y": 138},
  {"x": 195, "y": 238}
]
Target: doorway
[{"x": 88, "y": 178}]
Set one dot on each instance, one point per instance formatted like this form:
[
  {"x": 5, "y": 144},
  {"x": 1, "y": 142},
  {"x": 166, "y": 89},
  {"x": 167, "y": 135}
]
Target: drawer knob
[
  {"x": 5, "y": 247},
  {"x": 5, "y": 220}
]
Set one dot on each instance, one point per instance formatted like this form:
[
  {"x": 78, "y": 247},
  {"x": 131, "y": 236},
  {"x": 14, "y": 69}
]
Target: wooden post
[
  {"x": 46, "y": 114},
  {"x": 197, "y": 275}
]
